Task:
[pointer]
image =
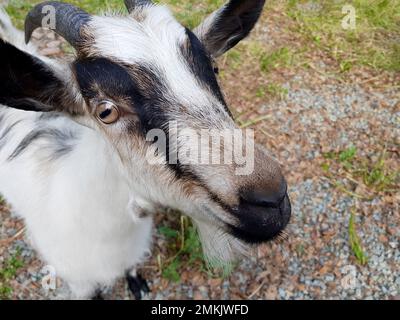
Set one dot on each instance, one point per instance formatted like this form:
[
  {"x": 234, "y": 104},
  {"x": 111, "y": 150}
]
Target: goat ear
[
  {"x": 226, "y": 27},
  {"x": 28, "y": 83}
]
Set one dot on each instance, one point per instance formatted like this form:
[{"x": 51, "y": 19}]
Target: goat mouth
[{"x": 258, "y": 224}]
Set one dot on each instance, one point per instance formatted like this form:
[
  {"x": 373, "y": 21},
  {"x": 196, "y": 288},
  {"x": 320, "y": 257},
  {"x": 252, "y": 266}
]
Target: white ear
[{"x": 224, "y": 28}]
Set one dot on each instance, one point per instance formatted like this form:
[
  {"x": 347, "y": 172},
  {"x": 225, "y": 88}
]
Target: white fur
[{"x": 76, "y": 210}]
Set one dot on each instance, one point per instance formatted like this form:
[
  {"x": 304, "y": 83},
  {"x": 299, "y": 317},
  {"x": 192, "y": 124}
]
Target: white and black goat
[{"x": 73, "y": 141}]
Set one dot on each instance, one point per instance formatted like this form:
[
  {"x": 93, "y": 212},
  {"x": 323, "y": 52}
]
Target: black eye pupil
[
  {"x": 216, "y": 70},
  {"x": 105, "y": 113}
]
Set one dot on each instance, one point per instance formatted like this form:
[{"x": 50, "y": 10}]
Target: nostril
[
  {"x": 261, "y": 201},
  {"x": 265, "y": 197}
]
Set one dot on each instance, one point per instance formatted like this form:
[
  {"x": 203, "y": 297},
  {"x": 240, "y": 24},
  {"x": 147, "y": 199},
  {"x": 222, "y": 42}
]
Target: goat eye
[{"x": 107, "y": 112}]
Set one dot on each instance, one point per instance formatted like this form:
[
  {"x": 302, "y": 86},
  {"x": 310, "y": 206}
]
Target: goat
[{"x": 73, "y": 147}]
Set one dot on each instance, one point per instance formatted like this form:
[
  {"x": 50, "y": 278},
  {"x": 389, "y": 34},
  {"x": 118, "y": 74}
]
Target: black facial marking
[
  {"x": 140, "y": 84},
  {"x": 200, "y": 63},
  {"x": 143, "y": 86},
  {"x": 61, "y": 142},
  {"x": 100, "y": 75},
  {"x": 27, "y": 83}
]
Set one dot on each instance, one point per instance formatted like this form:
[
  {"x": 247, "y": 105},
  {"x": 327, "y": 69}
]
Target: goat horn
[
  {"x": 132, "y": 4},
  {"x": 65, "y": 19}
]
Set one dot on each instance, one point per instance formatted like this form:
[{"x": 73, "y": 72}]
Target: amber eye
[{"x": 107, "y": 112}]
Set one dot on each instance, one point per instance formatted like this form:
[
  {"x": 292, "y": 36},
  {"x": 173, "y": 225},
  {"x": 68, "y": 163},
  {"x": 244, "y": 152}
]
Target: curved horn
[
  {"x": 65, "y": 19},
  {"x": 132, "y": 4}
]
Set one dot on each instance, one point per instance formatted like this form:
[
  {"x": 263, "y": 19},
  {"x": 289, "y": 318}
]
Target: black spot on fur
[
  {"x": 201, "y": 65},
  {"x": 59, "y": 142}
]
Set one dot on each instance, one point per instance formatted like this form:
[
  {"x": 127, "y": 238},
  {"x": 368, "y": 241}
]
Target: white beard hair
[{"x": 221, "y": 250}]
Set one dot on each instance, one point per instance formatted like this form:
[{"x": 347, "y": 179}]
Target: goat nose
[
  {"x": 263, "y": 212},
  {"x": 265, "y": 197}
]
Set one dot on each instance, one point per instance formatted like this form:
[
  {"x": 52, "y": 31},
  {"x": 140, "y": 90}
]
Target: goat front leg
[
  {"x": 139, "y": 210},
  {"x": 136, "y": 284},
  {"x": 98, "y": 296}
]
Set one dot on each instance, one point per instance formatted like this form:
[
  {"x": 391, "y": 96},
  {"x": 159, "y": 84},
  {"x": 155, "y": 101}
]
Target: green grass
[
  {"x": 276, "y": 90},
  {"x": 235, "y": 58},
  {"x": 8, "y": 271},
  {"x": 373, "y": 172},
  {"x": 362, "y": 178},
  {"x": 372, "y": 43},
  {"x": 300, "y": 249},
  {"x": 272, "y": 89},
  {"x": 279, "y": 58},
  {"x": 348, "y": 154},
  {"x": 184, "y": 251},
  {"x": 355, "y": 243},
  {"x": 376, "y": 175},
  {"x": 269, "y": 59},
  {"x": 192, "y": 12},
  {"x": 17, "y": 9},
  {"x": 252, "y": 122},
  {"x": 189, "y": 12}
]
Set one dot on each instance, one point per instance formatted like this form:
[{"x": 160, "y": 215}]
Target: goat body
[{"x": 76, "y": 208}]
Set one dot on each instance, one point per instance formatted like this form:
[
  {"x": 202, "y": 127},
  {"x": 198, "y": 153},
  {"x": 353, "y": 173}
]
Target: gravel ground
[{"x": 319, "y": 114}]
